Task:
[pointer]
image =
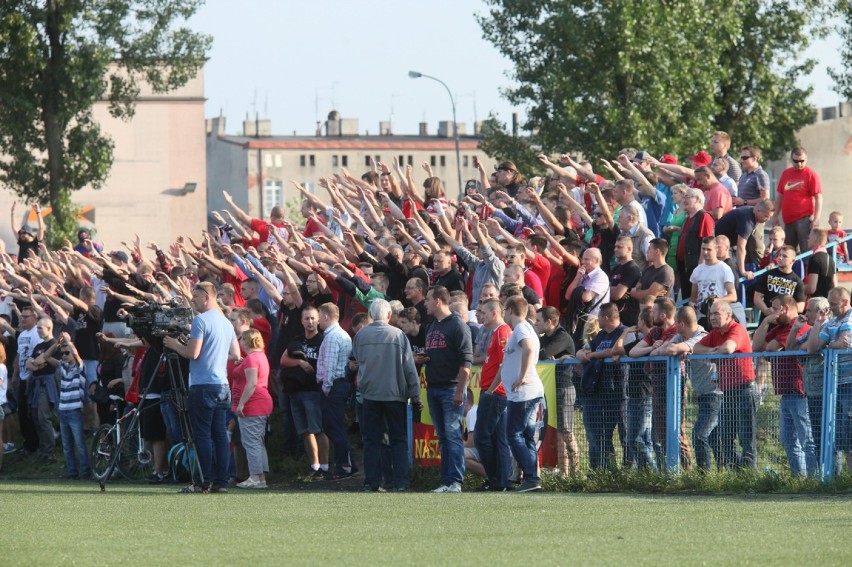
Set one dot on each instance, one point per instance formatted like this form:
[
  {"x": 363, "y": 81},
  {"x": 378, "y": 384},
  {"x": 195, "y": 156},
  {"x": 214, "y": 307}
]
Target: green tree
[
  {"x": 59, "y": 57},
  {"x": 597, "y": 76},
  {"x": 843, "y": 75},
  {"x": 503, "y": 146}
]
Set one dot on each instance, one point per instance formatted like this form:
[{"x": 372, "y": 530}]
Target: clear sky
[{"x": 294, "y": 61}]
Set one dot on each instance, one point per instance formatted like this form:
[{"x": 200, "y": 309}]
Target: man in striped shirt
[{"x": 331, "y": 375}]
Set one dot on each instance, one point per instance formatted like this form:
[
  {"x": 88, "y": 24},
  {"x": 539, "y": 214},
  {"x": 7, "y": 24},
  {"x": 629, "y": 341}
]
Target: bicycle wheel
[
  {"x": 103, "y": 448},
  {"x": 135, "y": 462}
]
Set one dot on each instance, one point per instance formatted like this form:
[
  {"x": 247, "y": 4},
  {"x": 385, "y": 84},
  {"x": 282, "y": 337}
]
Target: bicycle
[{"x": 135, "y": 462}]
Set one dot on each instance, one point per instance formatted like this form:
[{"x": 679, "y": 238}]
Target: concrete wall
[
  {"x": 226, "y": 171},
  {"x": 156, "y": 153}
]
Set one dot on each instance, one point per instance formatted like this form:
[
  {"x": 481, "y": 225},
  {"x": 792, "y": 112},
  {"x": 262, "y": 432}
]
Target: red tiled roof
[{"x": 355, "y": 144}]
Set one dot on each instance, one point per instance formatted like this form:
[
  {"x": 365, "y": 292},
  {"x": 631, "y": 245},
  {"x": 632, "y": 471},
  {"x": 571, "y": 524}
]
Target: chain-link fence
[{"x": 774, "y": 412}]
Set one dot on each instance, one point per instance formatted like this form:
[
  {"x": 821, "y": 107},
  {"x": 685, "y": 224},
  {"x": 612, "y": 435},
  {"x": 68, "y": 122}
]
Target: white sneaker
[
  {"x": 9, "y": 448},
  {"x": 454, "y": 487},
  {"x": 252, "y": 483}
]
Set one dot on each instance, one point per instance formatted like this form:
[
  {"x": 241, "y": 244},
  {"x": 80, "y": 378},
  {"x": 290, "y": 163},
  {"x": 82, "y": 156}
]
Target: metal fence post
[
  {"x": 829, "y": 407},
  {"x": 673, "y": 404}
]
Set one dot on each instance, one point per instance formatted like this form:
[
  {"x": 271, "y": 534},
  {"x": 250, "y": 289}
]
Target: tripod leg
[{"x": 180, "y": 399}]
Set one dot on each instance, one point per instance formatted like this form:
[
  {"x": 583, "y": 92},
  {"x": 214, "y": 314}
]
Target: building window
[
  {"x": 410, "y": 160},
  {"x": 378, "y": 159},
  {"x": 302, "y": 160},
  {"x": 432, "y": 161},
  {"x": 278, "y": 160},
  {"x": 443, "y": 161},
  {"x": 464, "y": 161},
  {"x": 273, "y": 195},
  {"x": 401, "y": 160},
  {"x": 335, "y": 161},
  {"x": 312, "y": 160},
  {"x": 345, "y": 161},
  {"x": 309, "y": 185},
  {"x": 267, "y": 160},
  {"x": 367, "y": 161}
]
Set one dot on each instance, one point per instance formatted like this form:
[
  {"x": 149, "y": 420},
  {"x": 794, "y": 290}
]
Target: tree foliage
[
  {"x": 59, "y": 57},
  {"x": 503, "y": 146},
  {"x": 597, "y": 76},
  {"x": 843, "y": 76}
]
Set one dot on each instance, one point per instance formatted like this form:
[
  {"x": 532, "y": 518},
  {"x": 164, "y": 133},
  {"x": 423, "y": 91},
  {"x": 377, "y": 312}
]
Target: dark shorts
[
  {"x": 151, "y": 422},
  {"x": 307, "y": 414}
]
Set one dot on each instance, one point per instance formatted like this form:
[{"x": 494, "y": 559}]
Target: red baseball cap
[{"x": 701, "y": 158}]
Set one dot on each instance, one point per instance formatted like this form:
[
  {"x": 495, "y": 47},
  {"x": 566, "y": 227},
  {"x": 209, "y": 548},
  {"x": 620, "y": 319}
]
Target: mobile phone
[{"x": 475, "y": 161}]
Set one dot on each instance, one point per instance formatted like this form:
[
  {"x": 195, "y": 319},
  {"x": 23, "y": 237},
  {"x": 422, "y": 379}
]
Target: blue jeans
[
  {"x": 796, "y": 435},
  {"x": 333, "y": 408},
  {"x": 520, "y": 430},
  {"x": 448, "y": 428},
  {"x": 208, "y": 413},
  {"x": 491, "y": 441},
  {"x": 602, "y": 413},
  {"x": 815, "y": 415},
  {"x": 709, "y": 406},
  {"x": 170, "y": 417},
  {"x": 376, "y": 418},
  {"x": 73, "y": 438},
  {"x": 738, "y": 418},
  {"x": 640, "y": 446}
]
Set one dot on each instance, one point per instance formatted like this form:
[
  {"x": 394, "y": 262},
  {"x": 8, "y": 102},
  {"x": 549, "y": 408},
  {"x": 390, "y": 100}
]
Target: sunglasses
[
  {"x": 798, "y": 161},
  {"x": 744, "y": 158},
  {"x": 66, "y": 353}
]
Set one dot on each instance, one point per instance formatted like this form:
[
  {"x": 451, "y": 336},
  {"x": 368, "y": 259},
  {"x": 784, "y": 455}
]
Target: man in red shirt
[
  {"x": 490, "y": 437},
  {"x": 260, "y": 226},
  {"x": 740, "y": 398},
  {"x": 717, "y": 199},
  {"x": 798, "y": 200}
]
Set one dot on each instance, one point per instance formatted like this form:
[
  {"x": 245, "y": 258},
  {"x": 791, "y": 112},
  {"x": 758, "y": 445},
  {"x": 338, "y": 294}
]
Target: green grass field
[{"x": 49, "y": 523}]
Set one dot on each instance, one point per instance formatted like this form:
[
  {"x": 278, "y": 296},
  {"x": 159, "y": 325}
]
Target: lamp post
[{"x": 416, "y": 75}]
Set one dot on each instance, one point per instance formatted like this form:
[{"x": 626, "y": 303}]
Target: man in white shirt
[{"x": 524, "y": 390}]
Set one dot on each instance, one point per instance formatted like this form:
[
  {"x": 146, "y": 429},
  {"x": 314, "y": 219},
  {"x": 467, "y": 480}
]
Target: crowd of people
[{"x": 387, "y": 278}]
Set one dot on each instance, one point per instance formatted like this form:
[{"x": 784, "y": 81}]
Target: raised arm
[{"x": 240, "y": 214}]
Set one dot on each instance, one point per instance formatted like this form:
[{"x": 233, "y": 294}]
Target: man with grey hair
[
  {"x": 630, "y": 224},
  {"x": 387, "y": 379}
]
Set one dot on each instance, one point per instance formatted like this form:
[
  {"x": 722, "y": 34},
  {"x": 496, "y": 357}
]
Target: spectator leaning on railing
[
  {"x": 836, "y": 333},
  {"x": 738, "y": 415}
]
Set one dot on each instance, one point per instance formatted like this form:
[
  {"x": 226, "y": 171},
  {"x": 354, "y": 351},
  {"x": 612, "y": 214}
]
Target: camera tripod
[{"x": 113, "y": 450}]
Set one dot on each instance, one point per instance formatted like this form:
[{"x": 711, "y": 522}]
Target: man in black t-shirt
[
  {"x": 298, "y": 377},
  {"x": 822, "y": 273},
  {"x": 624, "y": 277},
  {"x": 780, "y": 281}
]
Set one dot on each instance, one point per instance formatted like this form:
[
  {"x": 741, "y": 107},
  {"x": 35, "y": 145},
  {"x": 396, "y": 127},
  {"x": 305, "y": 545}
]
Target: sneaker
[
  {"x": 9, "y": 448},
  {"x": 454, "y": 487},
  {"x": 318, "y": 474},
  {"x": 223, "y": 490},
  {"x": 368, "y": 488},
  {"x": 485, "y": 487},
  {"x": 157, "y": 478},
  {"x": 528, "y": 486},
  {"x": 252, "y": 483},
  {"x": 190, "y": 489},
  {"x": 340, "y": 475}
]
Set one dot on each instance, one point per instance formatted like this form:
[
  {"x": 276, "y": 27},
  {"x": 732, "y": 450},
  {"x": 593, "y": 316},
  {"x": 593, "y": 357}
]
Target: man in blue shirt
[
  {"x": 331, "y": 375},
  {"x": 212, "y": 342}
]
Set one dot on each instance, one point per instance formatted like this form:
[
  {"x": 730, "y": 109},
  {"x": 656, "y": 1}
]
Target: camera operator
[{"x": 211, "y": 342}]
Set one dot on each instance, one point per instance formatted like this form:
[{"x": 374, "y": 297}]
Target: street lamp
[{"x": 416, "y": 75}]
